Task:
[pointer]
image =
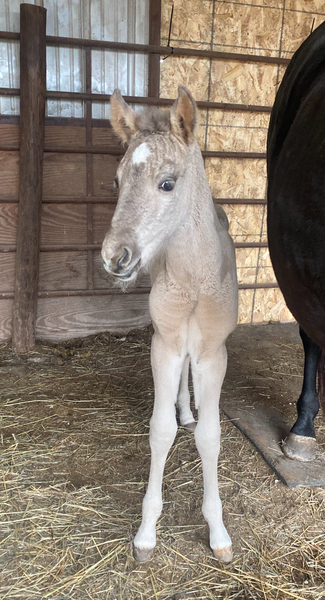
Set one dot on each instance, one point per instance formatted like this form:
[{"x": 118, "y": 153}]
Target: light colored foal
[{"x": 165, "y": 221}]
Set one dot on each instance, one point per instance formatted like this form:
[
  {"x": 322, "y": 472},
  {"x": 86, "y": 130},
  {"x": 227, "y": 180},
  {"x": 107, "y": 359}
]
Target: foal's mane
[{"x": 153, "y": 120}]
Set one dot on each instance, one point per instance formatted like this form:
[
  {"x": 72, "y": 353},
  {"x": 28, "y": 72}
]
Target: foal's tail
[
  {"x": 321, "y": 380},
  {"x": 306, "y": 65}
]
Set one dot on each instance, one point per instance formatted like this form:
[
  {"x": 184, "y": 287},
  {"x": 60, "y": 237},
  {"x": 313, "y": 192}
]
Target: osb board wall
[
  {"x": 269, "y": 28},
  {"x": 67, "y": 223}
]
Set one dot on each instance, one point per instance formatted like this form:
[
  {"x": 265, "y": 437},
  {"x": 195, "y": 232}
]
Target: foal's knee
[
  {"x": 162, "y": 431},
  {"x": 207, "y": 438}
]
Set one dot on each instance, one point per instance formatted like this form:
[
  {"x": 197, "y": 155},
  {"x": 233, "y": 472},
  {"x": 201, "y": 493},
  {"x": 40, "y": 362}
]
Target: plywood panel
[
  {"x": 245, "y": 309},
  {"x": 191, "y": 72},
  {"x": 64, "y": 224},
  {"x": 296, "y": 28},
  {"x": 67, "y": 318},
  {"x": 236, "y": 178},
  {"x": 64, "y": 174},
  {"x": 8, "y": 223},
  {"x": 313, "y": 6},
  {"x": 237, "y": 132},
  {"x": 237, "y": 139},
  {"x": 62, "y": 271},
  {"x": 247, "y": 28},
  {"x": 243, "y": 83},
  {"x": 5, "y": 319},
  {"x": 245, "y": 221},
  {"x": 104, "y": 171},
  {"x": 9, "y": 173},
  {"x": 246, "y": 259},
  {"x": 192, "y": 20},
  {"x": 270, "y": 306}
]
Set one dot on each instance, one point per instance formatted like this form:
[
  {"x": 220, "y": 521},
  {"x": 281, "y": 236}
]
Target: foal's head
[{"x": 150, "y": 178}]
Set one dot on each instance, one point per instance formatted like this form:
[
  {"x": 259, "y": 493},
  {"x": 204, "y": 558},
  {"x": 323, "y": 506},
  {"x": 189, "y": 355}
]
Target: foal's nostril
[{"x": 124, "y": 259}]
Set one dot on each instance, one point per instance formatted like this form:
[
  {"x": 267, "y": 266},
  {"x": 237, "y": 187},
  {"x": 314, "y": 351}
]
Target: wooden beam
[
  {"x": 32, "y": 133},
  {"x": 154, "y": 39}
]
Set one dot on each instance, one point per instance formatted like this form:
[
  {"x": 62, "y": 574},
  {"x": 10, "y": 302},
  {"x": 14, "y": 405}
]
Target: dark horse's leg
[{"x": 301, "y": 442}]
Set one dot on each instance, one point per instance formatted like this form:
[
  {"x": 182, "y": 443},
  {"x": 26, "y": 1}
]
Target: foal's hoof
[
  {"x": 299, "y": 447},
  {"x": 225, "y": 555},
  {"x": 190, "y": 426},
  {"x": 141, "y": 555}
]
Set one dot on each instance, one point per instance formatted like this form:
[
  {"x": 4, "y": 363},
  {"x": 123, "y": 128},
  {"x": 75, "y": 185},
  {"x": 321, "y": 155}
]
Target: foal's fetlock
[{"x": 144, "y": 544}]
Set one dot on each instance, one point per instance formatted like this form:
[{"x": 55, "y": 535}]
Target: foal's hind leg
[
  {"x": 208, "y": 375},
  {"x": 183, "y": 399},
  {"x": 301, "y": 442},
  {"x": 166, "y": 368}
]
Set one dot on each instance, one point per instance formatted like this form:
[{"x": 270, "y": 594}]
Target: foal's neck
[{"x": 194, "y": 246}]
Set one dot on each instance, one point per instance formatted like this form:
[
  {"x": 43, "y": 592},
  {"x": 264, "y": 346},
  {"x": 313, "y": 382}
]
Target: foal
[{"x": 165, "y": 222}]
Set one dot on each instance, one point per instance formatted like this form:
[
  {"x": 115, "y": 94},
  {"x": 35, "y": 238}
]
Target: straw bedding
[{"x": 74, "y": 460}]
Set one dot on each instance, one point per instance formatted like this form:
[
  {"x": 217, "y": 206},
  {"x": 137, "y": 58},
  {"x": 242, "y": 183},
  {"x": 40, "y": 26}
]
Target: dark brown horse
[{"x": 296, "y": 218}]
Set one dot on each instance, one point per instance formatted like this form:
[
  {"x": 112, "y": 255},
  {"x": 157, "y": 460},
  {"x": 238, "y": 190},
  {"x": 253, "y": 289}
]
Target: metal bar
[
  {"x": 251, "y": 245},
  {"x": 89, "y": 150},
  {"x": 97, "y": 247},
  {"x": 113, "y": 200},
  {"x": 66, "y": 199},
  {"x": 116, "y": 292},
  {"x": 239, "y": 200},
  {"x": 52, "y": 40},
  {"x": 156, "y": 101},
  {"x": 54, "y": 95},
  {"x": 32, "y": 134}
]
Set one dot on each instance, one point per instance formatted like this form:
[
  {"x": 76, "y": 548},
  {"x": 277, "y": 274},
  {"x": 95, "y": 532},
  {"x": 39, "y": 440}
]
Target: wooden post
[
  {"x": 154, "y": 38},
  {"x": 32, "y": 131}
]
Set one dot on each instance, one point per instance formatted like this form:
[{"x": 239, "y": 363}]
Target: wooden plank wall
[{"x": 75, "y": 298}]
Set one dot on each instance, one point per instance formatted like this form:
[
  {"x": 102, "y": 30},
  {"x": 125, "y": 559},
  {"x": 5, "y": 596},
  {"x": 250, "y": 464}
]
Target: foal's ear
[
  {"x": 123, "y": 118},
  {"x": 183, "y": 116}
]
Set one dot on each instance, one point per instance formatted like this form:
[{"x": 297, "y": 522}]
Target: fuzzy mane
[{"x": 153, "y": 120}]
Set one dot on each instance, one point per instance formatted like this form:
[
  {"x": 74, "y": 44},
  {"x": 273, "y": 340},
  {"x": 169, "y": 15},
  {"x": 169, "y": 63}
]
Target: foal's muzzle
[{"x": 122, "y": 264}]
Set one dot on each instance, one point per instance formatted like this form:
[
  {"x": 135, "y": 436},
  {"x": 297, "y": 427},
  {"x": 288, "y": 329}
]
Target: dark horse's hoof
[{"x": 299, "y": 447}]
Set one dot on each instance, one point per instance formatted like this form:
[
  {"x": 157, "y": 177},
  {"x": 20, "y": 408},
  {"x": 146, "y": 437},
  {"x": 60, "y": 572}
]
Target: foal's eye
[
  {"x": 115, "y": 183},
  {"x": 167, "y": 186}
]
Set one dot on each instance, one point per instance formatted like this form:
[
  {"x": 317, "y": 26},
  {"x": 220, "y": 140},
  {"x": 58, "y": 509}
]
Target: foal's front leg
[
  {"x": 166, "y": 369},
  {"x": 208, "y": 374}
]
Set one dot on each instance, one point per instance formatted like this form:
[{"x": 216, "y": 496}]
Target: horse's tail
[
  {"x": 321, "y": 380},
  {"x": 306, "y": 65}
]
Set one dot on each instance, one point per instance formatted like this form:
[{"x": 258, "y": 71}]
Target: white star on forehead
[{"x": 140, "y": 154}]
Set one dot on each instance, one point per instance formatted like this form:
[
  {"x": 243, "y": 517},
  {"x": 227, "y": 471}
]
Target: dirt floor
[{"x": 74, "y": 460}]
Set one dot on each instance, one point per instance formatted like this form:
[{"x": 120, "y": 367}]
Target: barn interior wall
[
  {"x": 75, "y": 298},
  {"x": 269, "y": 28}
]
